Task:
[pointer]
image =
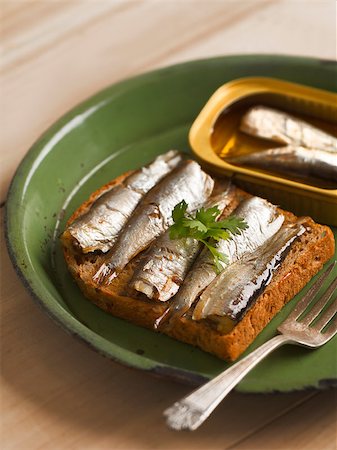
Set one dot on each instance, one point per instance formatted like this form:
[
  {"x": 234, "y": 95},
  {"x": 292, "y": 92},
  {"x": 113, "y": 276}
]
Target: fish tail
[
  {"x": 104, "y": 275},
  {"x": 161, "y": 320},
  {"x": 171, "y": 312}
]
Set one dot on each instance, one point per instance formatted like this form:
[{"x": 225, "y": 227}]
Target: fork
[{"x": 312, "y": 330}]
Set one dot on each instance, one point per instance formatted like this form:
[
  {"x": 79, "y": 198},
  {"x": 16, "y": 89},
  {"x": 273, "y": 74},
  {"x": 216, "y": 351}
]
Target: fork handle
[{"x": 200, "y": 404}]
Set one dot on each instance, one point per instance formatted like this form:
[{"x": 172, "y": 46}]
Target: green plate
[{"x": 120, "y": 128}]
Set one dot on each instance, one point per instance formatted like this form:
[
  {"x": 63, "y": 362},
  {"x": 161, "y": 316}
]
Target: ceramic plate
[{"x": 120, "y": 128}]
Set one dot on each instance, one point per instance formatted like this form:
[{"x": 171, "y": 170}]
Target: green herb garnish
[{"x": 205, "y": 228}]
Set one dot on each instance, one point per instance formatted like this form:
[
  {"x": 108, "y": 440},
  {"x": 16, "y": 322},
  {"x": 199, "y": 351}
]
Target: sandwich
[{"x": 170, "y": 248}]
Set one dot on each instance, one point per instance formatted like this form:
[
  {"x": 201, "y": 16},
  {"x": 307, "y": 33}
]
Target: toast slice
[{"x": 305, "y": 258}]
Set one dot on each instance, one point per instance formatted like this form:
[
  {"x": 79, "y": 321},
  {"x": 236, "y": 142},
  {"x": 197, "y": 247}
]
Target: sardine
[
  {"x": 153, "y": 215},
  {"x": 233, "y": 292},
  {"x": 99, "y": 228},
  {"x": 263, "y": 221},
  {"x": 278, "y": 126},
  {"x": 164, "y": 267},
  {"x": 292, "y": 159}
]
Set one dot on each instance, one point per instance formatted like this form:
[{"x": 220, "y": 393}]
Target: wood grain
[
  {"x": 56, "y": 54},
  {"x": 55, "y": 392}
]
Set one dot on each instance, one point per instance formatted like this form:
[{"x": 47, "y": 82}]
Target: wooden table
[{"x": 55, "y": 392}]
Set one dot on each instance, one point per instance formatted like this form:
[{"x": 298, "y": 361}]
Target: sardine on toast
[
  {"x": 263, "y": 221},
  {"x": 234, "y": 290},
  {"x": 99, "y": 228},
  {"x": 165, "y": 265},
  {"x": 153, "y": 215}
]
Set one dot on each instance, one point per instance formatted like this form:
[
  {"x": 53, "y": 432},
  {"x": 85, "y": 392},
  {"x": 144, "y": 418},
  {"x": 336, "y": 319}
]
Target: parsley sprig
[{"x": 205, "y": 227}]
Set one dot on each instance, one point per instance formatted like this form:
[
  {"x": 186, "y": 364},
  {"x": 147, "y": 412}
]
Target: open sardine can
[{"x": 215, "y": 137}]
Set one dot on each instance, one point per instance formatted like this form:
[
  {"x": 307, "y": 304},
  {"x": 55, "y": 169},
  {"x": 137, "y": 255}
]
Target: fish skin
[
  {"x": 165, "y": 265},
  {"x": 292, "y": 159},
  {"x": 278, "y": 126},
  {"x": 153, "y": 215},
  {"x": 263, "y": 222},
  {"x": 164, "y": 269},
  {"x": 231, "y": 294},
  {"x": 98, "y": 229}
]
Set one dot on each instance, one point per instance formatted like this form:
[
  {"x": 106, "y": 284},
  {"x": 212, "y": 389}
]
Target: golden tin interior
[{"x": 215, "y": 131}]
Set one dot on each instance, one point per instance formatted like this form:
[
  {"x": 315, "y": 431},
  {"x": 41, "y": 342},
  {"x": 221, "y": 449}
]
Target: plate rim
[{"x": 55, "y": 311}]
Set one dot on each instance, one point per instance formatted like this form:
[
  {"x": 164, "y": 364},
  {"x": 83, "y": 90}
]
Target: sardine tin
[{"x": 300, "y": 197}]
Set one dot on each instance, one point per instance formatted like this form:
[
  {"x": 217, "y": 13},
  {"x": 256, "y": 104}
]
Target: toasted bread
[{"x": 306, "y": 257}]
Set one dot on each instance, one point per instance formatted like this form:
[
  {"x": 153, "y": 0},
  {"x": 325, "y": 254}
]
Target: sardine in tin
[{"x": 216, "y": 128}]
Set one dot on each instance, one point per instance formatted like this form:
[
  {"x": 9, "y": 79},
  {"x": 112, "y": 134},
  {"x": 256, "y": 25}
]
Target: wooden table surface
[{"x": 55, "y": 392}]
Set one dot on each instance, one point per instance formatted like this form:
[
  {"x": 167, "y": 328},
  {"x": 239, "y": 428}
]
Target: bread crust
[{"x": 305, "y": 259}]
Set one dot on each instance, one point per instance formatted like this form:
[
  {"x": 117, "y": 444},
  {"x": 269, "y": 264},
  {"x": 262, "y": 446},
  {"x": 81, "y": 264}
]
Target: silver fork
[{"x": 190, "y": 412}]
